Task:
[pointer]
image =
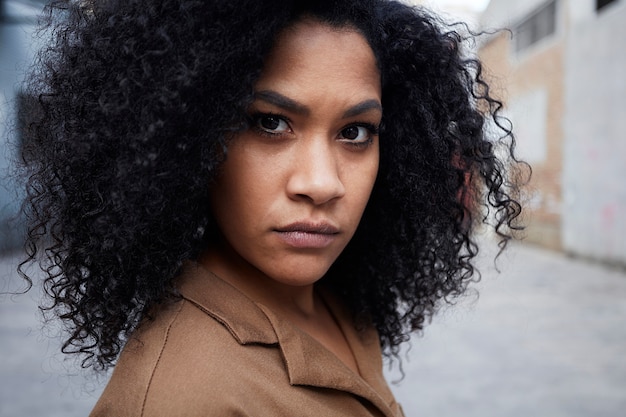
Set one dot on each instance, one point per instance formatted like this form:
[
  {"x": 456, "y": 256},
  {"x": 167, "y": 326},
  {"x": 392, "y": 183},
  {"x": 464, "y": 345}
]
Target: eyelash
[{"x": 371, "y": 129}]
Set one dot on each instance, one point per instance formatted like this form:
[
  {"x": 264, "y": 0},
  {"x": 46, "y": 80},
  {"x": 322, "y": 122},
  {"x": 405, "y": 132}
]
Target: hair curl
[{"x": 137, "y": 99}]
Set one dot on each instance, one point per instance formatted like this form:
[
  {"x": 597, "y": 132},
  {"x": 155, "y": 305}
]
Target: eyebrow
[
  {"x": 363, "y": 107},
  {"x": 286, "y": 103}
]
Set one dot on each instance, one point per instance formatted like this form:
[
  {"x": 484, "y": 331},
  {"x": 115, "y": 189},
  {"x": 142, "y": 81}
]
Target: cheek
[
  {"x": 361, "y": 178},
  {"x": 227, "y": 192},
  {"x": 370, "y": 170},
  {"x": 243, "y": 191}
]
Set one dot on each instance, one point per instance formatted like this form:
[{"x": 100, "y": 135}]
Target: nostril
[{"x": 316, "y": 184}]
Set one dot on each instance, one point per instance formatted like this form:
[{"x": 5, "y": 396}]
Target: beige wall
[
  {"x": 532, "y": 87},
  {"x": 566, "y": 98}
]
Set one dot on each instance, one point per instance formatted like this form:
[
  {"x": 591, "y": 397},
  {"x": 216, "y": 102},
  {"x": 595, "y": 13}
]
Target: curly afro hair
[{"x": 136, "y": 102}]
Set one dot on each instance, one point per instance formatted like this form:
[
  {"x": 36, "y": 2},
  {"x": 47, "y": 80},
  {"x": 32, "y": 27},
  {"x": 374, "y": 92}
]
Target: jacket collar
[{"x": 307, "y": 362}]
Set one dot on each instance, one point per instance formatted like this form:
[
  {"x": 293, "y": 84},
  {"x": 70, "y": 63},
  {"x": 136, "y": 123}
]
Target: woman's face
[{"x": 291, "y": 193}]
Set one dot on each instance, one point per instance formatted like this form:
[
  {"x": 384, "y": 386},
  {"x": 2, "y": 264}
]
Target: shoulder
[
  {"x": 185, "y": 362},
  {"x": 216, "y": 353}
]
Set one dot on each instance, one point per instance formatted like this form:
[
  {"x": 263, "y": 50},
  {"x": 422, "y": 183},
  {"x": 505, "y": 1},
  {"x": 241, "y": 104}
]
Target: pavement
[{"x": 545, "y": 337}]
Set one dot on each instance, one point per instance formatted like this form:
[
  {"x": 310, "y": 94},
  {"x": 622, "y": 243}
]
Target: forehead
[
  {"x": 311, "y": 32},
  {"x": 313, "y": 52}
]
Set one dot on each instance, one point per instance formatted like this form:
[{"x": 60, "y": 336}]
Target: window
[
  {"x": 539, "y": 25},
  {"x": 601, "y": 3}
]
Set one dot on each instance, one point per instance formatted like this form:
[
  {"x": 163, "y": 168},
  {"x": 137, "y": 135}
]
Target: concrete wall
[
  {"x": 17, "y": 23},
  {"x": 531, "y": 84},
  {"x": 594, "y": 169},
  {"x": 566, "y": 96}
]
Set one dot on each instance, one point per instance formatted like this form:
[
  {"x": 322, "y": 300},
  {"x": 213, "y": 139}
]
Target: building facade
[
  {"x": 561, "y": 69},
  {"x": 17, "y": 23}
]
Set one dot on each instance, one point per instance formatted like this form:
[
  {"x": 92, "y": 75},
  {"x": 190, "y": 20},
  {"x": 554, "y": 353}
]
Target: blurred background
[
  {"x": 17, "y": 24},
  {"x": 547, "y": 334}
]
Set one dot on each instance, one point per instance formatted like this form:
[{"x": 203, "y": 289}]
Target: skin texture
[
  {"x": 314, "y": 167},
  {"x": 294, "y": 186}
]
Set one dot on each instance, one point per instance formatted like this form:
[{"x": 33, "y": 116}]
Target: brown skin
[{"x": 294, "y": 186}]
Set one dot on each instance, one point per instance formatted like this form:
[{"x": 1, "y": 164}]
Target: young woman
[{"x": 238, "y": 204}]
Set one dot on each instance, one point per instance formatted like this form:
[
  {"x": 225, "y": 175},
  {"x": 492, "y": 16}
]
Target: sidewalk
[
  {"x": 546, "y": 337},
  {"x": 36, "y": 380}
]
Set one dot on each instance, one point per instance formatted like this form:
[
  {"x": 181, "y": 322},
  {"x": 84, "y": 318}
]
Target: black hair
[{"x": 137, "y": 100}]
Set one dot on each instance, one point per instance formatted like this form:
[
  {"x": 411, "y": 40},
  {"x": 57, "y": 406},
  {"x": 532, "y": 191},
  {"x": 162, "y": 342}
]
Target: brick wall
[{"x": 531, "y": 84}]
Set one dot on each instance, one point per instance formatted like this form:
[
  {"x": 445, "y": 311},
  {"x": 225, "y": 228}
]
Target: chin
[
  {"x": 299, "y": 276},
  {"x": 297, "y": 279},
  {"x": 299, "y": 267}
]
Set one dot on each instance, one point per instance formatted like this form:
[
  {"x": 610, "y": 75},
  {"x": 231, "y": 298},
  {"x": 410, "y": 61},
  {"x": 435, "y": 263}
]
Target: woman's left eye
[{"x": 358, "y": 134}]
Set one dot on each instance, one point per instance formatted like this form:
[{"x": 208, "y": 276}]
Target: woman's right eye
[{"x": 271, "y": 124}]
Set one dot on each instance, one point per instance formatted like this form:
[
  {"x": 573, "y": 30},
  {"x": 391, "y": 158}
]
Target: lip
[{"x": 308, "y": 235}]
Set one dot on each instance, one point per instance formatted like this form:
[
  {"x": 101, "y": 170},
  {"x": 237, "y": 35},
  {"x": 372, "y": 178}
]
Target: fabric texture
[{"x": 218, "y": 353}]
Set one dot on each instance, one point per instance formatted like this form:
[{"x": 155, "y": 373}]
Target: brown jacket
[{"x": 217, "y": 353}]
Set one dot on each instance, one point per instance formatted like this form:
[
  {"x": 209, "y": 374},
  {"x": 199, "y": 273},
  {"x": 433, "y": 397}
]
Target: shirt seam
[{"x": 156, "y": 365}]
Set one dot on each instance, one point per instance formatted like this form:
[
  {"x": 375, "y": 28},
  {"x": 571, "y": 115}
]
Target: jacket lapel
[
  {"x": 226, "y": 304},
  {"x": 307, "y": 361}
]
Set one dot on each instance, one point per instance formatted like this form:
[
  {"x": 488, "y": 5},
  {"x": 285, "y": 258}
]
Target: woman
[{"x": 248, "y": 200}]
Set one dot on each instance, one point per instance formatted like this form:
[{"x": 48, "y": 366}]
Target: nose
[{"x": 315, "y": 172}]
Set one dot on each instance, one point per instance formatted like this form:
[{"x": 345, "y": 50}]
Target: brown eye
[
  {"x": 351, "y": 132},
  {"x": 358, "y": 134},
  {"x": 272, "y": 124}
]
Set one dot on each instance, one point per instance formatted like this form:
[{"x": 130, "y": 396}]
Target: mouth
[
  {"x": 305, "y": 227},
  {"x": 304, "y": 235}
]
